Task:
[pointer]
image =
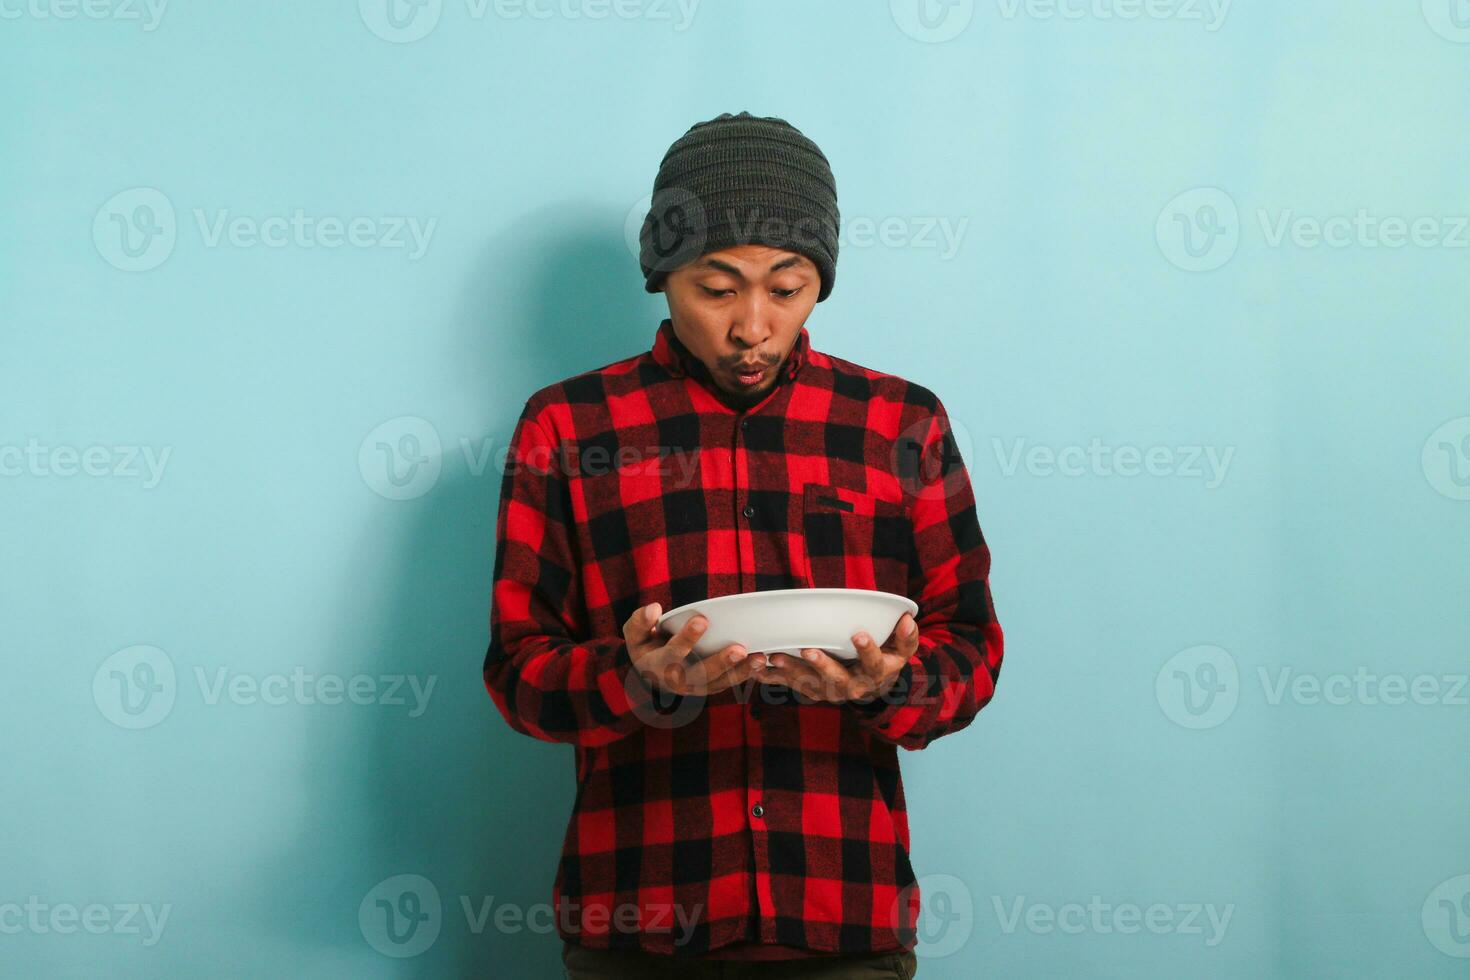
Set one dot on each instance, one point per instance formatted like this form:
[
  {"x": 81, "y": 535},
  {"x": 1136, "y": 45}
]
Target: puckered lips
[{"x": 750, "y": 375}]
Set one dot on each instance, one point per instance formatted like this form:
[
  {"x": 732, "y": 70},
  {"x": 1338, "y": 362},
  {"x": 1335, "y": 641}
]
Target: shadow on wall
[
  {"x": 454, "y": 795},
  {"x": 549, "y": 300}
]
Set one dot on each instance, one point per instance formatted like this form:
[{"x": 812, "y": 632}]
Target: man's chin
[
  {"x": 751, "y": 391},
  {"x": 741, "y": 395}
]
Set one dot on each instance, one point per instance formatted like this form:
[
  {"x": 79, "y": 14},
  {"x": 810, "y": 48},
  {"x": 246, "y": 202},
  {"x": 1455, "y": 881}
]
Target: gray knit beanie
[{"x": 738, "y": 180}]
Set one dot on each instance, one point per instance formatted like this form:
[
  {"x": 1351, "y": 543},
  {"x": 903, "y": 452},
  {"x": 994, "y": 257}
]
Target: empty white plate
[{"x": 790, "y": 620}]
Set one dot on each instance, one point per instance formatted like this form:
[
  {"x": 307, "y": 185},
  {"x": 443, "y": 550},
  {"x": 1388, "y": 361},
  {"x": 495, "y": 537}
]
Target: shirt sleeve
[
  {"x": 953, "y": 673},
  {"x": 548, "y": 678}
]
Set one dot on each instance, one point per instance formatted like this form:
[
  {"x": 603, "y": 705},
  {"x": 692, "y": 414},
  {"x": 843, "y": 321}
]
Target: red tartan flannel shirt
[{"x": 752, "y": 822}]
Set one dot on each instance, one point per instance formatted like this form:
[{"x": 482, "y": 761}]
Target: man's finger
[
  {"x": 793, "y": 672},
  {"x": 741, "y": 671},
  {"x": 907, "y": 634},
  {"x": 667, "y": 661},
  {"x": 782, "y": 669},
  {"x": 871, "y": 659},
  {"x": 834, "y": 678},
  {"x": 708, "y": 670},
  {"x": 682, "y": 642},
  {"x": 639, "y": 630}
]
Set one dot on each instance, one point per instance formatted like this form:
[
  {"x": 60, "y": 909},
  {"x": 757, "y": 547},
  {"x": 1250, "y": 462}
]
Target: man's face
[{"x": 740, "y": 310}]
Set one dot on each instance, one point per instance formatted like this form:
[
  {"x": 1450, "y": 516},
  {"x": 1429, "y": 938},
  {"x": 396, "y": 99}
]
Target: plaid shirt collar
[{"x": 670, "y": 353}]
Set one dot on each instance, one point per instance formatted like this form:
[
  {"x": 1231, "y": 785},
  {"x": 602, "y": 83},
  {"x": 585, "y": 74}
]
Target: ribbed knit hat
[{"x": 738, "y": 180}]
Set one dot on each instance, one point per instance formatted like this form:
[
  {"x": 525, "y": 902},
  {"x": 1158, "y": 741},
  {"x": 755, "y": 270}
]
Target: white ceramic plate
[{"x": 789, "y": 620}]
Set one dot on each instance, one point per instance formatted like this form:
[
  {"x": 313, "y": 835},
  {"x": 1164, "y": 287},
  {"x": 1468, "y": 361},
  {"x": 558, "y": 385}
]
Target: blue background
[{"x": 325, "y": 505}]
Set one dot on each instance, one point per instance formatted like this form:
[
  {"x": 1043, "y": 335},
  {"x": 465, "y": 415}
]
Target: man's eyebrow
[{"x": 727, "y": 267}]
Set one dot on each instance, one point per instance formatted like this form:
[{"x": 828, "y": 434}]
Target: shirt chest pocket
[{"x": 855, "y": 540}]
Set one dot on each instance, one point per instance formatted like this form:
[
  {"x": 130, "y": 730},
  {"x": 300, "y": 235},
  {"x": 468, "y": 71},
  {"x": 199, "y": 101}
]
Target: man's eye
[{"x": 782, "y": 293}]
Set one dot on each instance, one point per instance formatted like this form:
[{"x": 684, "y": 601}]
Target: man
[{"x": 736, "y": 813}]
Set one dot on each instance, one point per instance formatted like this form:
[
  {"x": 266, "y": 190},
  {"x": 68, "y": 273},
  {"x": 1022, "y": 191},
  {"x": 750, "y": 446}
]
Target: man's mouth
[{"x": 749, "y": 376}]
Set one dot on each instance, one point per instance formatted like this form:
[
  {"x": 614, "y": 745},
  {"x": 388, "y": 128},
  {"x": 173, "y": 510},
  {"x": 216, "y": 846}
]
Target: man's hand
[
  {"x": 666, "y": 664},
  {"x": 822, "y": 677}
]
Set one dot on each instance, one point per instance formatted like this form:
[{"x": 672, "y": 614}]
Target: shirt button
[
  {"x": 744, "y": 423},
  {"x": 757, "y": 811},
  {"x": 749, "y": 511}
]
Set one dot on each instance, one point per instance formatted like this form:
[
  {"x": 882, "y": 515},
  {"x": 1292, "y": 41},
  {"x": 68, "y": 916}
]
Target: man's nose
[{"x": 751, "y": 326}]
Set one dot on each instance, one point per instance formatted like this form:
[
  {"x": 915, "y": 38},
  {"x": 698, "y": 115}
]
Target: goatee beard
[{"x": 741, "y": 400}]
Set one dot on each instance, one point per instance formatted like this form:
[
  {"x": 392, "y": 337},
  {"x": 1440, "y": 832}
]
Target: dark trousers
[{"x": 584, "y": 963}]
